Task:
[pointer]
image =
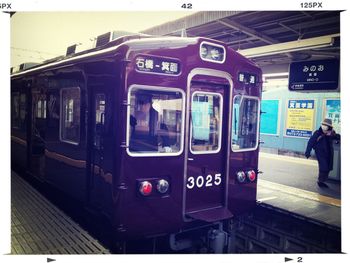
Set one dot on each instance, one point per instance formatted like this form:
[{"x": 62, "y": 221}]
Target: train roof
[{"x": 135, "y": 41}]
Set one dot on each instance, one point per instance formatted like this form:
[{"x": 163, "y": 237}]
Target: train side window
[
  {"x": 70, "y": 115},
  {"x": 15, "y": 110},
  {"x": 245, "y": 123},
  {"x": 22, "y": 107},
  {"x": 41, "y": 109},
  {"x": 155, "y": 121},
  {"x": 206, "y": 122},
  {"x": 100, "y": 109},
  {"x": 19, "y": 111}
]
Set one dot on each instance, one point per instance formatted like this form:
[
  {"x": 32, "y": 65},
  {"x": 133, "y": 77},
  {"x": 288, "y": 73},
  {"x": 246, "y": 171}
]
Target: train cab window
[
  {"x": 245, "y": 123},
  {"x": 206, "y": 122},
  {"x": 155, "y": 121},
  {"x": 70, "y": 115}
]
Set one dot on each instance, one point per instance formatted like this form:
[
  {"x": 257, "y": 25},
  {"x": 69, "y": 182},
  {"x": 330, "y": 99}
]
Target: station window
[
  {"x": 245, "y": 123},
  {"x": 206, "y": 114},
  {"x": 70, "y": 115},
  {"x": 155, "y": 121}
]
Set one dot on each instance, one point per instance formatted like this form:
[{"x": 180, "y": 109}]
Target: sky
[{"x": 36, "y": 36}]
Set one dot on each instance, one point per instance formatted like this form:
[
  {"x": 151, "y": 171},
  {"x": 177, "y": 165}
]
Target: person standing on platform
[{"x": 322, "y": 142}]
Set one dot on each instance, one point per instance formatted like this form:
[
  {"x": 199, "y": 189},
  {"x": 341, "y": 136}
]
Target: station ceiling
[{"x": 243, "y": 30}]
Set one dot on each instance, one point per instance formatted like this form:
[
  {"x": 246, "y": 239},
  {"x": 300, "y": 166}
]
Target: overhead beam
[
  {"x": 248, "y": 31},
  {"x": 292, "y": 46},
  {"x": 289, "y": 28},
  {"x": 323, "y": 54},
  {"x": 319, "y": 23},
  {"x": 188, "y": 22},
  {"x": 237, "y": 41}
]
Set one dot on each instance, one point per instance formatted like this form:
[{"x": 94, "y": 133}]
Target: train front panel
[{"x": 179, "y": 156}]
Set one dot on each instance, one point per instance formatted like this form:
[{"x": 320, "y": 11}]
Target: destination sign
[
  {"x": 314, "y": 75},
  {"x": 247, "y": 78},
  {"x": 159, "y": 65}
]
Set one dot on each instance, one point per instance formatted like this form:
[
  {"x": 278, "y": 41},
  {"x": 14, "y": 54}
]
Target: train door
[
  {"x": 101, "y": 145},
  {"x": 98, "y": 129},
  {"x": 207, "y": 151},
  {"x": 37, "y": 136}
]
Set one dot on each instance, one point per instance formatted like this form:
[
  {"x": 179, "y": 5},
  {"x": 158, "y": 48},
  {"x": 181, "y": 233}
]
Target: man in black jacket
[{"x": 322, "y": 142}]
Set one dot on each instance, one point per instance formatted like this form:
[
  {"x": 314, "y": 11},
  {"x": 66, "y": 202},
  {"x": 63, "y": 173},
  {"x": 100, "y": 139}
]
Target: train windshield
[
  {"x": 245, "y": 123},
  {"x": 155, "y": 121}
]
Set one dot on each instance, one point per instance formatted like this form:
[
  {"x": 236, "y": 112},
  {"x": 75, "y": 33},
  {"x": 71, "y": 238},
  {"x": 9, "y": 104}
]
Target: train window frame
[
  {"x": 62, "y": 116},
  {"x": 182, "y": 132},
  {"x": 257, "y": 126},
  {"x": 220, "y": 128}
]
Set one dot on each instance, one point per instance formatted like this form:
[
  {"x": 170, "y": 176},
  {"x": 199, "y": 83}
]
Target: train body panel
[{"x": 147, "y": 132}]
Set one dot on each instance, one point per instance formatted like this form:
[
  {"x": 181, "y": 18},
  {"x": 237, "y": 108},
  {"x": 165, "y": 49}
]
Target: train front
[{"x": 189, "y": 140}]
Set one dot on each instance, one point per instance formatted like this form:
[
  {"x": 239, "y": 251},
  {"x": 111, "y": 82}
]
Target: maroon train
[{"x": 159, "y": 134}]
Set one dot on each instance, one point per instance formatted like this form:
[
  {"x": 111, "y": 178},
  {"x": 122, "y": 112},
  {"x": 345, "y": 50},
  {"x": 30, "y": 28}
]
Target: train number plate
[{"x": 203, "y": 181}]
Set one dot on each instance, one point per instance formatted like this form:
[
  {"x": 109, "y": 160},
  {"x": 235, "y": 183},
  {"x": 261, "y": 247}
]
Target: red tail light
[
  {"x": 251, "y": 175},
  {"x": 145, "y": 188}
]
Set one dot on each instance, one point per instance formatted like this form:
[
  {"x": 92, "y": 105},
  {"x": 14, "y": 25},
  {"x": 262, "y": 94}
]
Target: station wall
[{"x": 286, "y": 130}]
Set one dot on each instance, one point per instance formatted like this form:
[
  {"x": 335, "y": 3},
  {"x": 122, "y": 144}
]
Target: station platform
[
  {"x": 39, "y": 227},
  {"x": 290, "y": 183}
]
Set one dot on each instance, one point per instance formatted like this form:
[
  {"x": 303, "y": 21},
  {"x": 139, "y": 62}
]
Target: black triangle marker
[
  {"x": 287, "y": 259},
  {"x": 50, "y": 260}
]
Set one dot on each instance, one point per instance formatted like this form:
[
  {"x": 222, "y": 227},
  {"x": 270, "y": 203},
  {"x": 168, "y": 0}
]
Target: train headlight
[
  {"x": 162, "y": 186},
  {"x": 204, "y": 51},
  {"x": 145, "y": 188},
  {"x": 251, "y": 175},
  {"x": 241, "y": 176},
  {"x": 215, "y": 54},
  {"x": 212, "y": 52}
]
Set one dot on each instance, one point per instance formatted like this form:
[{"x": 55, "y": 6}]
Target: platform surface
[
  {"x": 38, "y": 227},
  {"x": 290, "y": 183}
]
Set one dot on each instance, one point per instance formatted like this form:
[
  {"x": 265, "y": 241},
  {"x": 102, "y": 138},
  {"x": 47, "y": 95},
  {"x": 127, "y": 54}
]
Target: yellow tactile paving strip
[
  {"x": 289, "y": 159},
  {"x": 299, "y": 192}
]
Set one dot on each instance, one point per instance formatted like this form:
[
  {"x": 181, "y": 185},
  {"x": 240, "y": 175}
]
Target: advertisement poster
[
  {"x": 332, "y": 111},
  {"x": 300, "y": 118},
  {"x": 269, "y": 118}
]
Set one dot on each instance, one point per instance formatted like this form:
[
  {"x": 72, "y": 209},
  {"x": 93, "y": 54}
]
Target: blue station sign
[
  {"x": 158, "y": 65},
  {"x": 314, "y": 75}
]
